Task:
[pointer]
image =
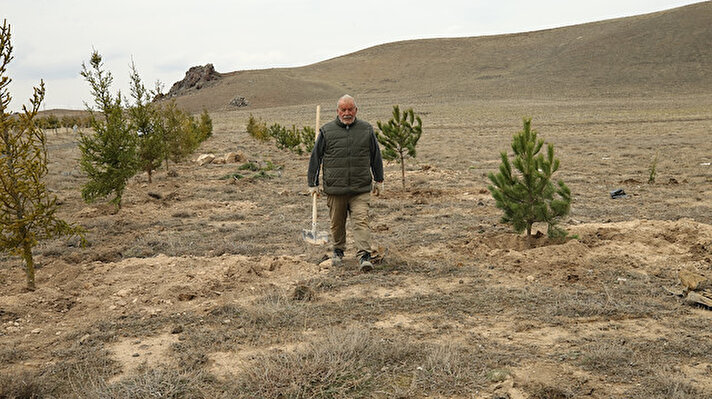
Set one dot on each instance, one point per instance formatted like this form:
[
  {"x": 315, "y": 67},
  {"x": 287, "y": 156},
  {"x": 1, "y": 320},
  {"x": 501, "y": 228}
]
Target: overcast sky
[{"x": 52, "y": 38}]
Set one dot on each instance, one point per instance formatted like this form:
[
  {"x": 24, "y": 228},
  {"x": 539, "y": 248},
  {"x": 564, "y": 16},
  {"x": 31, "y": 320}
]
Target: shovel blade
[{"x": 315, "y": 237}]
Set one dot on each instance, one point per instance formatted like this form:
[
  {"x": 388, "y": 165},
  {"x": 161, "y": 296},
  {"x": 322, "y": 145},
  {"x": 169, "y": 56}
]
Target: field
[{"x": 200, "y": 286}]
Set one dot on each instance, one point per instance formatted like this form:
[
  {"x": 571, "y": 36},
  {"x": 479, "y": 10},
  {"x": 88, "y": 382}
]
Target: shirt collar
[{"x": 343, "y": 125}]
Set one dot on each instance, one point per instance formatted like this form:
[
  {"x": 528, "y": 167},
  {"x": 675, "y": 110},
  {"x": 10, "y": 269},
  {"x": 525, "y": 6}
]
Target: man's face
[{"x": 347, "y": 111}]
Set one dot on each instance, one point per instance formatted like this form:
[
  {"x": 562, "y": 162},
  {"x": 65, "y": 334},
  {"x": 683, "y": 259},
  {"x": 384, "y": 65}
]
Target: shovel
[{"x": 313, "y": 236}]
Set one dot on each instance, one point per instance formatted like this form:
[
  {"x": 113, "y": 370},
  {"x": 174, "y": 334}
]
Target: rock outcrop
[{"x": 196, "y": 78}]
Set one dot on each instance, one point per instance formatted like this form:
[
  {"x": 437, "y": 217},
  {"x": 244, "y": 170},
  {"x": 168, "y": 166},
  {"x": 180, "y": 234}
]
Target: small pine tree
[
  {"x": 307, "y": 136},
  {"x": 530, "y": 196},
  {"x": 27, "y": 209},
  {"x": 109, "y": 154},
  {"x": 399, "y": 136},
  {"x": 652, "y": 171},
  {"x": 257, "y": 128},
  {"x": 286, "y": 139},
  {"x": 205, "y": 126},
  {"x": 67, "y": 122},
  {"x": 143, "y": 118},
  {"x": 177, "y": 133},
  {"x": 53, "y": 122}
]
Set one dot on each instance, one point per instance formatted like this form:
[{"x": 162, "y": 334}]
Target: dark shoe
[
  {"x": 338, "y": 258},
  {"x": 365, "y": 262}
]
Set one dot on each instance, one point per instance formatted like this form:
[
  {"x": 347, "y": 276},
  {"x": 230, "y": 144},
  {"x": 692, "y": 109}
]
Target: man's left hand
[{"x": 377, "y": 188}]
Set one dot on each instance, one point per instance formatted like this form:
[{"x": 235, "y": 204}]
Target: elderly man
[{"x": 352, "y": 170}]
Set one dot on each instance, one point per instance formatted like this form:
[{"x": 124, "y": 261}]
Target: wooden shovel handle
[
  {"x": 316, "y": 134},
  {"x": 314, "y": 211}
]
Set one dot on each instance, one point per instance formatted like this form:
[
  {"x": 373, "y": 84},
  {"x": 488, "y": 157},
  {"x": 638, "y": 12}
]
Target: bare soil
[{"x": 201, "y": 287}]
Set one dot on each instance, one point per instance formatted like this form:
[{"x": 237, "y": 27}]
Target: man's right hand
[
  {"x": 377, "y": 188},
  {"x": 314, "y": 190}
]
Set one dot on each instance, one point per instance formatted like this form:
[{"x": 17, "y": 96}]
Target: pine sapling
[
  {"x": 530, "y": 196},
  {"x": 27, "y": 209},
  {"x": 399, "y": 136},
  {"x": 109, "y": 154},
  {"x": 143, "y": 115}
]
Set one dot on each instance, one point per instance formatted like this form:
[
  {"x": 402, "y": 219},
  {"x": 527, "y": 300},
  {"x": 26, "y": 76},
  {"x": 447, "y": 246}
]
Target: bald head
[{"x": 346, "y": 109}]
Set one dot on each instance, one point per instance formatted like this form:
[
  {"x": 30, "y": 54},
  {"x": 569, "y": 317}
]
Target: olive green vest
[{"x": 347, "y": 157}]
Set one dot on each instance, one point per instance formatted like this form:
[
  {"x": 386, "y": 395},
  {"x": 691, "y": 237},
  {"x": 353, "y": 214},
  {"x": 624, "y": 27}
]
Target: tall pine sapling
[
  {"x": 27, "y": 209},
  {"x": 144, "y": 119},
  {"x": 109, "y": 154},
  {"x": 399, "y": 136},
  {"x": 530, "y": 196}
]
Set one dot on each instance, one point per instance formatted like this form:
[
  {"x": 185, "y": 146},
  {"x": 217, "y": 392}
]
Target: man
[{"x": 352, "y": 170}]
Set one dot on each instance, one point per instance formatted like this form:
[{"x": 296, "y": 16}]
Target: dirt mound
[{"x": 650, "y": 247}]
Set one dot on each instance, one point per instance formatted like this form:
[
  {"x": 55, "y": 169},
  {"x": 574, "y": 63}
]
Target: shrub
[
  {"x": 257, "y": 129},
  {"x": 286, "y": 139}
]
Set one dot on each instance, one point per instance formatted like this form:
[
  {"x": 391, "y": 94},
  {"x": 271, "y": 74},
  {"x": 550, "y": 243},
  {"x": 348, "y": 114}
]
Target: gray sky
[{"x": 52, "y": 38}]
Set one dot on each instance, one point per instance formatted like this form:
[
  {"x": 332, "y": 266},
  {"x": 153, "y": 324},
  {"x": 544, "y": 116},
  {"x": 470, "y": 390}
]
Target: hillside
[{"x": 661, "y": 53}]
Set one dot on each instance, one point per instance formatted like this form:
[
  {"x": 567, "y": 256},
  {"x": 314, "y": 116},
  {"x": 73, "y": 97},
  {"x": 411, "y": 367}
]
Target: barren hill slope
[{"x": 661, "y": 53}]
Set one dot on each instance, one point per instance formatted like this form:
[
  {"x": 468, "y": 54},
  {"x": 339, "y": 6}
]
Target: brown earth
[{"x": 200, "y": 285}]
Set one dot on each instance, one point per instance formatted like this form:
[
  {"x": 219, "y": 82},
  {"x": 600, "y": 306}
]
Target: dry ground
[{"x": 204, "y": 289}]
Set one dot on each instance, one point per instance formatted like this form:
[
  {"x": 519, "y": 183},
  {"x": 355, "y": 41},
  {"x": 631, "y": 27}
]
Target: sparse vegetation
[
  {"x": 296, "y": 140},
  {"x": 399, "y": 136},
  {"x": 652, "y": 170},
  {"x": 530, "y": 196},
  {"x": 253, "y": 170}
]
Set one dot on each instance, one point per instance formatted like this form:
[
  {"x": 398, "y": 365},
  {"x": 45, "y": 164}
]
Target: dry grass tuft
[
  {"x": 26, "y": 385},
  {"x": 159, "y": 382},
  {"x": 345, "y": 363},
  {"x": 543, "y": 391}
]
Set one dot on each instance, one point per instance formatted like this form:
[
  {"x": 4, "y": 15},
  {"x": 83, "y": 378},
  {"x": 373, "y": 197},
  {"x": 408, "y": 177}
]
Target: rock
[
  {"x": 205, "y": 159},
  {"x": 84, "y": 338},
  {"x": 196, "y": 78},
  {"x": 235, "y": 157},
  {"x": 695, "y": 298},
  {"x": 239, "y": 102},
  {"x": 303, "y": 293},
  {"x": 230, "y": 157},
  {"x": 693, "y": 281},
  {"x": 186, "y": 296}
]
